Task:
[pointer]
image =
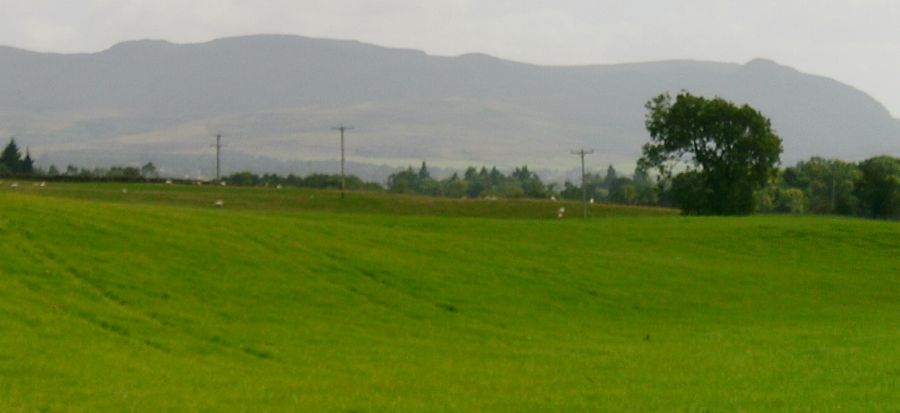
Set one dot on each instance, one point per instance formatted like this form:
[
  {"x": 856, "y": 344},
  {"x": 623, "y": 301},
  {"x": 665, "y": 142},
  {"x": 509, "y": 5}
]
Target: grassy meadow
[{"x": 153, "y": 299}]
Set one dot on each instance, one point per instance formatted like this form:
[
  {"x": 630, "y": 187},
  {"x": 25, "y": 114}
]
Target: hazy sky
[{"x": 854, "y": 41}]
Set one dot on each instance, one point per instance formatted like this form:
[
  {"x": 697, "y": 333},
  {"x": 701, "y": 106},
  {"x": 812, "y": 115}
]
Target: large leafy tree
[{"x": 723, "y": 152}]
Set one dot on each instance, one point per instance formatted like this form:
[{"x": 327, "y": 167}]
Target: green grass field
[{"x": 155, "y": 300}]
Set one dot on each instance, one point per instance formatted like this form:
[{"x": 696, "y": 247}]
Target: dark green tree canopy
[
  {"x": 610, "y": 178},
  {"x": 423, "y": 171},
  {"x": 11, "y": 155},
  {"x": 730, "y": 150},
  {"x": 11, "y": 161},
  {"x": 149, "y": 170},
  {"x": 827, "y": 184},
  {"x": 26, "y": 166},
  {"x": 879, "y": 187}
]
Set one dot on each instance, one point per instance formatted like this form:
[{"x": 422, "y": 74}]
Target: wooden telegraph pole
[
  {"x": 343, "y": 129},
  {"x": 218, "y": 145},
  {"x": 584, "y": 206}
]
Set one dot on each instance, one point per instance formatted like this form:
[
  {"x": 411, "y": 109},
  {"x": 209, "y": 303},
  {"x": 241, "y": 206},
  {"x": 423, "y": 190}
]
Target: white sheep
[
  {"x": 168, "y": 182},
  {"x": 14, "y": 185},
  {"x": 553, "y": 198},
  {"x": 561, "y": 213},
  {"x": 219, "y": 203}
]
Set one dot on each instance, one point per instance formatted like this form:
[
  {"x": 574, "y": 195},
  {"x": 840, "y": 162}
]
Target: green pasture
[{"x": 154, "y": 299}]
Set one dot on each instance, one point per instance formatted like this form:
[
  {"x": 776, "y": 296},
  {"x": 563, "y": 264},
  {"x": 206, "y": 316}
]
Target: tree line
[
  {"x": 713, "y": 157},
  {"x": 870, "y": 188},
  {"x": 14, "y": 164},
  {"x": 319, "y": 181},
  {"x": 705, "y": 156},
  {"x": 523, "y": 183},
  {"x": 473, "y": 183}
]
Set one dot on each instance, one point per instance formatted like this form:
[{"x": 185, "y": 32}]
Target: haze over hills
[{"x": 277, "y": 96}]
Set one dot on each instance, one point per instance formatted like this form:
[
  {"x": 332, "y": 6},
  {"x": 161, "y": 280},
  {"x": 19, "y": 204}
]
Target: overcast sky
[{"x": 854, "y": 41}]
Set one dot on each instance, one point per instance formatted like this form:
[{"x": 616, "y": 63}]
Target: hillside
[
  {"x": 278, "y": 96},
  {"x": 166, "y": 303}
]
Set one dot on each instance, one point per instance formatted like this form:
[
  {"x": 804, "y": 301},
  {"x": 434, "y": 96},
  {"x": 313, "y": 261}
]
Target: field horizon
[{"x": 150, "y": 298}]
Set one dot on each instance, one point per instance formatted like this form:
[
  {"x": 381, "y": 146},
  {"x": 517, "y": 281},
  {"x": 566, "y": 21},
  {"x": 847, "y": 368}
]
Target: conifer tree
[
  {"x": 423, "y": 171},
  {"x": 11, "y": 158},
  {"x": 26, "y": 166}
]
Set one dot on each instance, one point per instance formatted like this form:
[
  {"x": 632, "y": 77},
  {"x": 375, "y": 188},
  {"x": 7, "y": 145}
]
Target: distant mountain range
[{"x": 277, "y": 97}]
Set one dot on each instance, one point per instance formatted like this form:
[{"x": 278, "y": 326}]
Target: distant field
[
  {"x": 155, "y": 300},
  {"x": 271, "y": 199}
]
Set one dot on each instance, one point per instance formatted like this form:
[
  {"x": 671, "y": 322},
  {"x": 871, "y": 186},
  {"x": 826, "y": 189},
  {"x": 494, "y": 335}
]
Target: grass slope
[{"x": 161, "y": 305}]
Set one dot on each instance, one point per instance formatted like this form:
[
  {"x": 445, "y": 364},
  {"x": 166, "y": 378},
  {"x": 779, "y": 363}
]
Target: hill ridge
[{"x": 153, "y": 96}]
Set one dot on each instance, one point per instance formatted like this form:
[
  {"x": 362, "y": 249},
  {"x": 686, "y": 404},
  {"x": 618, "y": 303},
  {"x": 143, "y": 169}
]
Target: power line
[
  {"x": 584, "y": 205},
  {"x": 343, "y": 129}
]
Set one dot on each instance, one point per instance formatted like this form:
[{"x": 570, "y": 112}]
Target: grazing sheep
[
  {"x": 592, "y": 201},
  {"x": 553, "y": 198},
  {"x": 43, "y": 184},
  {"x": 168, "y": 182},
  {"x": 14, "y": 185},
  {"x": 219, "y": 203},
  {"x": 561, "y": 213},
  {"x": 223, "y": 183},
  {"x": 278, "y": 187}
]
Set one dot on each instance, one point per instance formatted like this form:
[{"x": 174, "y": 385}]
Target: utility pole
[
  {"x": 218, "y": 147},
  {"x": 584, "y": 203},
  {"x": 343, "y": 129}
]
